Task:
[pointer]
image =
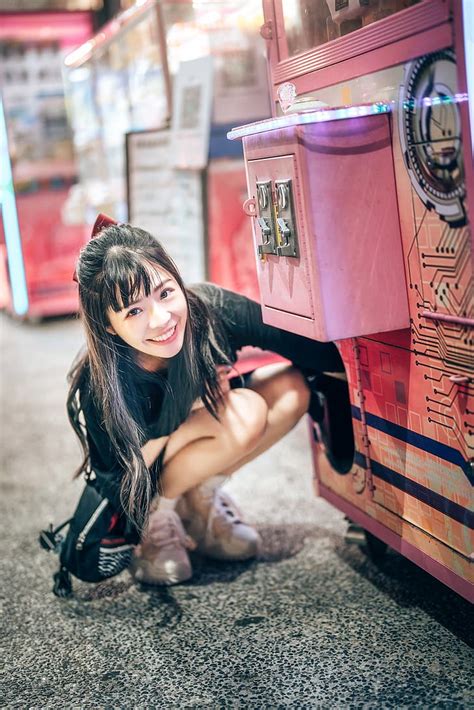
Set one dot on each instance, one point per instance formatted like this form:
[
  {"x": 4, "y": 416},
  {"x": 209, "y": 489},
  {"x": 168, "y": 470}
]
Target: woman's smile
[{"x": 166, "y": 337}]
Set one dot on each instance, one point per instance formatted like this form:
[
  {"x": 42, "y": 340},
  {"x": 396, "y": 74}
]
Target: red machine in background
[
  {"x": 360, "y": 194},
  {"x": 38, "y": 245}
]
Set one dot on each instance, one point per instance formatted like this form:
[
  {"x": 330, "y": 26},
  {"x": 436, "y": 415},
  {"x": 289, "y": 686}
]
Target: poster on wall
[
  {"x": 166, "y": 202},
  {"x": 191, "y": 125}
]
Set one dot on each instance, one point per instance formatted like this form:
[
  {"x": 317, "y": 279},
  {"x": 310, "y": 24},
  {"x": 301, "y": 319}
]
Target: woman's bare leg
[
  {"x": 251, "y": 420},
  {"x": 203, "y": 447},
  {"x": 286, "y": 393}
]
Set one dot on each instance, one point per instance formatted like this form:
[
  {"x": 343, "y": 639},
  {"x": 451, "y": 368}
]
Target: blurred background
[{"x": 87, "y": 125}]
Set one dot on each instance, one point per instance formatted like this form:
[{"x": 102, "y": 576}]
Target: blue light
[
  {"x": 16, "y": 266},
  {"x": 317, "y": 116}
]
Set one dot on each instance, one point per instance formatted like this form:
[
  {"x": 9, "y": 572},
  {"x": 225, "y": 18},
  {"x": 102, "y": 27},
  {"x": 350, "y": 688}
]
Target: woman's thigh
[{"x": 242, "y": 419}]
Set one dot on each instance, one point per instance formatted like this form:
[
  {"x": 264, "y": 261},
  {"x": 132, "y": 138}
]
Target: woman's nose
[{"x": 159, "y": 316}]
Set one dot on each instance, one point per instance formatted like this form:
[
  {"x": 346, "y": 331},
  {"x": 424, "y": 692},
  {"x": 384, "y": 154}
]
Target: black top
[{"x": 241, "y": 323}]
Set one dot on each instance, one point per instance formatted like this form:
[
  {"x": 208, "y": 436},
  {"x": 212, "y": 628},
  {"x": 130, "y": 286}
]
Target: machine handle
[
  {"x": 266, "y": 30},
  {"x": 250, "y": 207}
]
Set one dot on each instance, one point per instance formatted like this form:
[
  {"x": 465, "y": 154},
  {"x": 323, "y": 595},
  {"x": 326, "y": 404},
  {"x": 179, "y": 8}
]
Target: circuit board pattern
[{"x": 412, "y": 392}]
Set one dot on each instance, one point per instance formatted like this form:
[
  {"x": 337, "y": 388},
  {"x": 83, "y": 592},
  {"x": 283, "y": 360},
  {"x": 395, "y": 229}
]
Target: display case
[
  {"x": 39, "y": 245},
  {"x": 395, "y": 448},
  {"x": 115, "y": 83},
  {"x": 346, "y": 39},
  {"x": 122, "y": 82}
]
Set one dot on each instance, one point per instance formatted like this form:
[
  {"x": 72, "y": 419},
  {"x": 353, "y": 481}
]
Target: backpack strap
[{"x": 49, "y": 539}]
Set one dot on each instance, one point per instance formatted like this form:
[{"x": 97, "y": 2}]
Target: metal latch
[
  {"x": 288, "y": 241},
  {"x": 266, "y": 219}
]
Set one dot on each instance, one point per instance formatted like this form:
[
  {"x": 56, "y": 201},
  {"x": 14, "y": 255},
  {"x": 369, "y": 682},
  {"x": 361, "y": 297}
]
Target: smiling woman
[
  {"x": 163, "y": 428},
  {"x": 153, "y": 325}
]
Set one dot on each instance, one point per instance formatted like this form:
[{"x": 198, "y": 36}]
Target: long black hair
[{"x": 114, "y": 270}]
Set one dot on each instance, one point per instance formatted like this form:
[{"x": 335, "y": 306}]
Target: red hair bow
[{"x": 101, "y": 223}]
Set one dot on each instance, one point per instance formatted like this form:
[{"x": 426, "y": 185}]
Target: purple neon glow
[
  {"x": 333, "y": 114},
  {"x": 317, "y": 116}
]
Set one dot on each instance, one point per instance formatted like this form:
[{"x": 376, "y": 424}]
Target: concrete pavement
[{"x": 311, "y": 624}]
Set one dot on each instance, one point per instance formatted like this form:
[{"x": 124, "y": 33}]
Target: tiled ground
[{"x": 311, "y": 624}]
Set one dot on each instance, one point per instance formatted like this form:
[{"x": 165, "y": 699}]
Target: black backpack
[{"x": 98, "y": 545}]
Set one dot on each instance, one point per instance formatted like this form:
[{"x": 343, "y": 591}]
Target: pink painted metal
[
  {"x": 396, "y": 541},
  {"x": 349, "y": 279},
  {"x": 466, "y": 109},
  {"x": 402, "y": 465}
]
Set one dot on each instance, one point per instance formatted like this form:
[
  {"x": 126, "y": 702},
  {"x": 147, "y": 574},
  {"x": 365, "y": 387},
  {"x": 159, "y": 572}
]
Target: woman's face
[{"x": 153, "y": 325}]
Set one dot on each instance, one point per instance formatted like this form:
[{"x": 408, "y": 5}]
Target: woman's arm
[
  {"x": 152, "y": 449},
  {"x": 242, "y": 321}
]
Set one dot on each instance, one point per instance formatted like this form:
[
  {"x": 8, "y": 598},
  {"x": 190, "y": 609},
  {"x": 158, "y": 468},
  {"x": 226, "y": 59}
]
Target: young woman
[{"x": 161, "y": 424}]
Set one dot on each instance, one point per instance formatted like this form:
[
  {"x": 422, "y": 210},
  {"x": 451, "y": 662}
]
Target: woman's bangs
[{"x": 129, "y": 281}]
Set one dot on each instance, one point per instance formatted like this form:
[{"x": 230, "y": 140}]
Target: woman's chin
[{"x": 164, "y": 352}]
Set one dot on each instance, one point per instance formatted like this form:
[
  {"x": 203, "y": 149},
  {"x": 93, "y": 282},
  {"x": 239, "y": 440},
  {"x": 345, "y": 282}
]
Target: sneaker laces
[
  {"x": 225, "y": 506},
  {"x": 165, "y": 528}
]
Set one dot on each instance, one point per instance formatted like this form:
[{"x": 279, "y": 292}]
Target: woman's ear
[{"x": 110, "y": 330}]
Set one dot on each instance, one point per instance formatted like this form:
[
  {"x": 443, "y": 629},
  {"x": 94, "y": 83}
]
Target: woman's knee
[
  {"x": 245, "y": 416},
  {"x": 286, "y": 390},
  {"x": 294, "y": 384}
]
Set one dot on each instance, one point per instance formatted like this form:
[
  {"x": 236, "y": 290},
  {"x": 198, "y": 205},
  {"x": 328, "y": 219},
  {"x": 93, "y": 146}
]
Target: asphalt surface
[{"x": 312, "y": 623}]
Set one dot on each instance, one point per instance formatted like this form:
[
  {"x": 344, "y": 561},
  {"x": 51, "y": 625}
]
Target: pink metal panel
[
  {"x": 419, "y": 430},
  {"x": 466, "y": 108},
  {"x": 283, "y": 281},
  {"x": 350, "y": 249},
  {"x": 357, "y": 245},
  {"x": 442, "y": 570}
]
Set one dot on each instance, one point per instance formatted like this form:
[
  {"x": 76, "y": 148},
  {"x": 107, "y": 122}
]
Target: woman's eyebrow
[
  {"x": 158, "y": 287},
  {"x": 161, "y": 284}
]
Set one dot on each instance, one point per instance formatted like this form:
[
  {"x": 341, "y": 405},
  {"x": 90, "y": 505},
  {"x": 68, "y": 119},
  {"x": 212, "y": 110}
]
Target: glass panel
[
  {"x": 229, "y": 31},
  {"x": 120, "y": 88},
  {"x": 309, "y": 23}
]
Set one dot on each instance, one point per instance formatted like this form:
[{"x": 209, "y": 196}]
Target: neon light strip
[
  {"x": 16, "y": 265},
  {"x": 320, "y": 115}
]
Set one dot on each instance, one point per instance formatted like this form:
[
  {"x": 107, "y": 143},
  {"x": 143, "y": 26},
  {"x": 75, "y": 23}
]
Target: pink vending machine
[{"x": 359, "y": 188}]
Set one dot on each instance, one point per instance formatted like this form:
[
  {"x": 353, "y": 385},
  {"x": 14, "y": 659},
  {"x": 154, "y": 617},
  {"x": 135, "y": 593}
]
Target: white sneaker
[
  {"x": 161, "y": 557},
  {"x": 213, "y": 520}
]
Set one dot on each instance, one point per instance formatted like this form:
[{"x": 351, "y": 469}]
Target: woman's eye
[
  {"x": 134, "y": 312},
  {"x": 165, "y": 293}
]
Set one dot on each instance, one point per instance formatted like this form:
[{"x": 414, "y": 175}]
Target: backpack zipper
[{"x": 84, "y": 532}]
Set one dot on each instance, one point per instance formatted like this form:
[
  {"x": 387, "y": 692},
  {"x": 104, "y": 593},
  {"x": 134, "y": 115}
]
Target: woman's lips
[{"x": 164, "y": 341}]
